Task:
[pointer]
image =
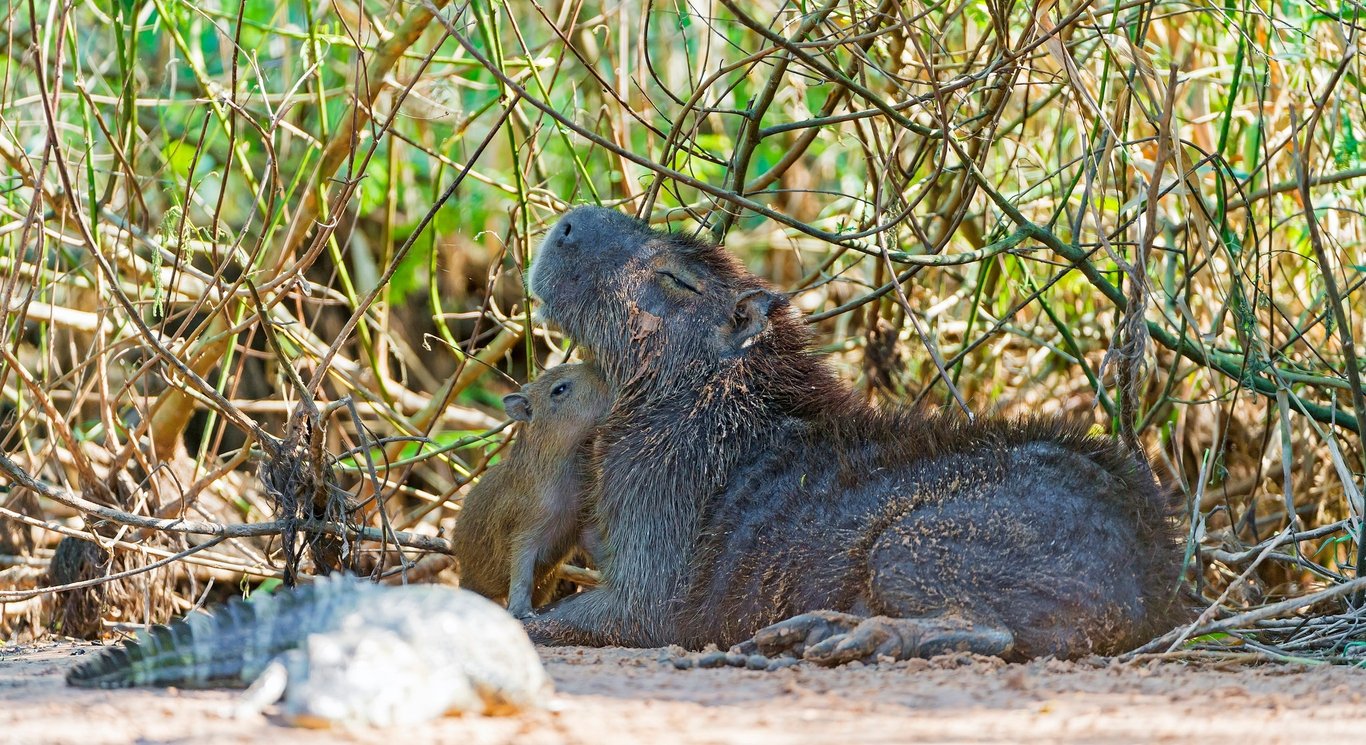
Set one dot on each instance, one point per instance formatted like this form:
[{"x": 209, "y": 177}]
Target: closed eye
[{"x": 674, "y": 278}]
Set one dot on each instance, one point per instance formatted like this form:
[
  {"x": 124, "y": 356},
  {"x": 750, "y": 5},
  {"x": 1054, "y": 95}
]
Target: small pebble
[{"x": 712, "y": 659}]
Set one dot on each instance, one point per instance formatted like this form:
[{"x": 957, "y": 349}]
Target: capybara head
[
  {"x": 642, "y": 299},
  {"x": 562, "y": 406}
]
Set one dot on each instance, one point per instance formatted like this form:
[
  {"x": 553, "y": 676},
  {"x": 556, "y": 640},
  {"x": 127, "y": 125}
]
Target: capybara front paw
[
  {"x": 796, "y": 634},
  {"x": 905, "y": 638},
  {"x": 870, "y": 639},
  {"x": 773, "y": 647},
  {"x": 832, "y": 638}
]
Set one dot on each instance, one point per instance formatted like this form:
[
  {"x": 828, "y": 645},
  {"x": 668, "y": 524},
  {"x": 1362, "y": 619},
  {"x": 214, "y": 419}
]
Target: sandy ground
[{"x": 628, "y": 696}]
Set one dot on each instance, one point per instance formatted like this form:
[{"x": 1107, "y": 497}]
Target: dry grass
[{"x": 260, "y": 262}]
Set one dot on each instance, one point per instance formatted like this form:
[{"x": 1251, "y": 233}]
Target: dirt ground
[{"x": 628, "y": 696}]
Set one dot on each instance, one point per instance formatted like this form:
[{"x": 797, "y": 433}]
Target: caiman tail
[{"x": 227, "y": 648}]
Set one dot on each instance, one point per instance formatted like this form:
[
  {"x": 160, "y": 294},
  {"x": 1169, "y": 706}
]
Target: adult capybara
[
  {"x": 527, "y": 514},
  {"x": 740, "y": 483}
]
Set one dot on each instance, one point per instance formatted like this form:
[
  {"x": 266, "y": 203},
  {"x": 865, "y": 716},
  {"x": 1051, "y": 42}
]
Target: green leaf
[
  {"x": 409, "y": 276},
  {"x": 1219, "y": 637},
  {"x": 1345, "y": 145},
  {"x": 265, "y": 588}
]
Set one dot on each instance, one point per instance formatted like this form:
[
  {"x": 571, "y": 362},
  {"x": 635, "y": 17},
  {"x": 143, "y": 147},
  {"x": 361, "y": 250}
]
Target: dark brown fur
[
  {"x": 527, "y": 514},
  {"x": 739, "y": 481}
]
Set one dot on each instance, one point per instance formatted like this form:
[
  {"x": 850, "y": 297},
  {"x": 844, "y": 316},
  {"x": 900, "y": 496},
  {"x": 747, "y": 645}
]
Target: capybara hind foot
[{"x": 831, "y": 638}]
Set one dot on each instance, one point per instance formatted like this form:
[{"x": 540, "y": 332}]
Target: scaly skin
[{"x": 431, "y": 649}]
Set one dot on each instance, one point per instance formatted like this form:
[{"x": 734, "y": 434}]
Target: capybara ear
[
  {"x": 517, "y": 406},
  {"x": 751, "y": 316}
]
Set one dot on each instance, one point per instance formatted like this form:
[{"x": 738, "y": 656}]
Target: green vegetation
[{"x": 243, "y": 243}]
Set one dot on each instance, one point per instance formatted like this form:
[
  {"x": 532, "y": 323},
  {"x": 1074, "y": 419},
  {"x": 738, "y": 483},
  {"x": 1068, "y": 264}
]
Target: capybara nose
[
  {"x": 566, "y": 234},
  {"x": 589, "y": 229}
]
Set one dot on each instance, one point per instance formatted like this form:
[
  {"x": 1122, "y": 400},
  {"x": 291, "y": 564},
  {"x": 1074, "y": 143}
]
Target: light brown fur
[{"x": 527, "y": 514}]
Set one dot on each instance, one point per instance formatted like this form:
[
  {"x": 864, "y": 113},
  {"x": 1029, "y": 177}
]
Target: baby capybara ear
[
  {"x": 517, "y": 406},
  {"x": 751, "y": 315}
]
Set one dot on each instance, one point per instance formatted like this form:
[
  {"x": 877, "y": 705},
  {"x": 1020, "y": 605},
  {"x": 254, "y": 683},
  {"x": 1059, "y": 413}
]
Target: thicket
[{"x": 261, "y": 263}]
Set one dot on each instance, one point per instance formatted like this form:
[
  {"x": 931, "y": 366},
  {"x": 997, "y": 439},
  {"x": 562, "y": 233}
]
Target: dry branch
[{"x": 220, "y": 218}]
